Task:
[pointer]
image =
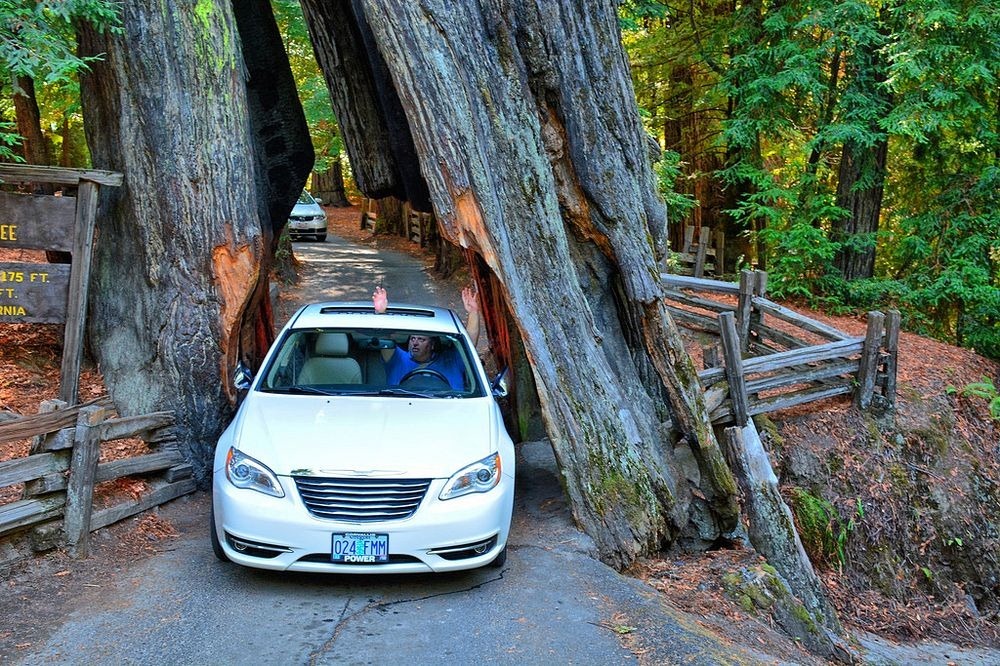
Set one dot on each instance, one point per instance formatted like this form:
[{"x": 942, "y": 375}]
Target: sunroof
[{"x": 362, "y": 309}]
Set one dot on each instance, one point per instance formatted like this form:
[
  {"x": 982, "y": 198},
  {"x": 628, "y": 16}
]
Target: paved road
[{"x": 551, "y": 603}]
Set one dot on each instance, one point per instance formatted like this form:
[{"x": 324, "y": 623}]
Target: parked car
[
  {"x": 332, "y": 465},
  {"x": 308, "y": 219}
]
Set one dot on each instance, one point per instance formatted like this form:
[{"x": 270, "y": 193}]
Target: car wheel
[
  {"x": 216, "y": 545},
  {"x": 321, "y": 237},
  {"x": 500, "y": 559}
]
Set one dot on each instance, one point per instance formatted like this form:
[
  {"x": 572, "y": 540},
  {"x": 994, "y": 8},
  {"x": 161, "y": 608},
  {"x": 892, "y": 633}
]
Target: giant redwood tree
[
  {"x": 213, "y": 156},
  {"x": 527, "y": 134},
  {"x": 516, "y": 121}
]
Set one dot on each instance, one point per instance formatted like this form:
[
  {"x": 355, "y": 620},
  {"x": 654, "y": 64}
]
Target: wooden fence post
[
  {"x": 699, "y": 260},
  {"x": 744, "y": 308},
  {"x": 734, "y": 368},
  {"x": 80, "y": 486},
  {"x": 868, "y": 371},
  {"x": 891, "y": 361}
]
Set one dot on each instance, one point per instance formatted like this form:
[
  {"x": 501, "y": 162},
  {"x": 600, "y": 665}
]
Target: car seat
[{"x": 330, "y": 363}]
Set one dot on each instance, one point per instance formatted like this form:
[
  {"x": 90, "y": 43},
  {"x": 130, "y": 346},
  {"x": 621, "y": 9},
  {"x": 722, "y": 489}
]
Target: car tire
[
  {"x": 321, "y": 237},
  {"x": 216, "y": 544},
  {"x": 499, "y": 560}
]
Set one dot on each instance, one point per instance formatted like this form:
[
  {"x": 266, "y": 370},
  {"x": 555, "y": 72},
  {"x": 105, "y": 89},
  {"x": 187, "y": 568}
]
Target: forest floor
[{"x": 29, "y": 374}]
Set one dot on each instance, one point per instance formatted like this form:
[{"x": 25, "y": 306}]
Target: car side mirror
[
  {"x": 499, "y": 385},
  {"x": 242, "y": 377},
  {"x": 318, "y": 200}
]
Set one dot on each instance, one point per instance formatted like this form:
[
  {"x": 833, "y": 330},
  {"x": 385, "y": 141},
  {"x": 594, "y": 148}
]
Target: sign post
[{"x": 42, "y": 293}]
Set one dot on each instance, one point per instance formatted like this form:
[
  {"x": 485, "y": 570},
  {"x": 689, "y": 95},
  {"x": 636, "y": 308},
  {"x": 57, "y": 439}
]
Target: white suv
[{"x": 333, "y": 464}]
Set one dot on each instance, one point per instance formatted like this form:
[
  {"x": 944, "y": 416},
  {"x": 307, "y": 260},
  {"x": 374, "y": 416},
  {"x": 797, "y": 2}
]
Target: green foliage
[
  {"x": 785, "y": 88},
  {"x": 984, "y": 390},
  {"x": 313, "y": 93},
  {"x": 668, "y": 171},
  {"x": 37, "y": 40},
  {"x": 823, "y": 533}
]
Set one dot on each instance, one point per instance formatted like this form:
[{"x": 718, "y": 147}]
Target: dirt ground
[{"x": 29, "y": 359}]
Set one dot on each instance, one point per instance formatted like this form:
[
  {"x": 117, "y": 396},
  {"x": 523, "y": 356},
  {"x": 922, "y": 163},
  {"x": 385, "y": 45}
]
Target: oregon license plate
[{"x": 360, "y": 548}]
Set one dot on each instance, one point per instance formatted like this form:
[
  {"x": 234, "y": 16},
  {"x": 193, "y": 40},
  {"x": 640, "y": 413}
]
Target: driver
[{"x": 423, "y": 351}]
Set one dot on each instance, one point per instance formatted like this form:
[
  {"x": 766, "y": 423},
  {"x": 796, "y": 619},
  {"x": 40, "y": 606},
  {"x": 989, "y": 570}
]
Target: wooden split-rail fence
[
  {"x": 768, "y": 357},
  {"x": 60, "y": 473}
]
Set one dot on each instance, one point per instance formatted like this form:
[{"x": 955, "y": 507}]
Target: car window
[
  {"x": 306, "y": 198},
  {"x": 373, "y": 362}
]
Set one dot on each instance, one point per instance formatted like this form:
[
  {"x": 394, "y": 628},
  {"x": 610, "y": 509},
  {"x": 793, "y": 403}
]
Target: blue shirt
[{"x": 446, "y": 361}]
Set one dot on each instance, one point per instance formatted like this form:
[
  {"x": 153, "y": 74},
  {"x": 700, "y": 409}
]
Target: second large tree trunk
[{"x": 544, "y": 174}]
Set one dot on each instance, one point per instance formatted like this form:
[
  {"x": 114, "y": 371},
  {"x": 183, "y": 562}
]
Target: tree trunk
[
  {"x": 176, "y": 271},
  {"x": 857, "y": 232},
  {"x": 372, "y": 122},
  {"x": 33, "y": 148},
  {"x": 391, "y": 217},
  {"x": 329, "y": 186},
  {"x": 544, "y": 174}
]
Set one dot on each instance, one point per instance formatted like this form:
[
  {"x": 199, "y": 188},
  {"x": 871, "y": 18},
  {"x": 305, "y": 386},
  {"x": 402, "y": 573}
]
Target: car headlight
[
  {"x": 245, "y": 472},
  {"x": 478, "y": 477}
]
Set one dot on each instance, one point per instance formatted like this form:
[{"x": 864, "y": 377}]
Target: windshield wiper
[
  {"x": 404, "y": 393},
  {"x": 300, "y": 389}
]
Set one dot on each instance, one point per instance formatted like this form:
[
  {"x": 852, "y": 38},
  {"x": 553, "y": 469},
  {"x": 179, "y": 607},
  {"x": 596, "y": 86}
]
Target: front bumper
[{"x": 279, "y": 533}]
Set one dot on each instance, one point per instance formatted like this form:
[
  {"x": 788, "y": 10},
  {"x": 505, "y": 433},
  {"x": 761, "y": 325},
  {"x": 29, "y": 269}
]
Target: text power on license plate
[{"x": 360, "y": 547}]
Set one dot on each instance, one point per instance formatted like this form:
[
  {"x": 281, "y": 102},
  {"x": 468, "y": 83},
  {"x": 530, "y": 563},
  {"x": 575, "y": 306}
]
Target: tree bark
[
  {"x": 544, "y": 174},
  {"x": 33, "y": 147},
  {"x": 857, "y": 232},
  {"x": 329, "y": 186},
  {"x": 176, "y": 271},
  {"x": 372, "y": 122}
]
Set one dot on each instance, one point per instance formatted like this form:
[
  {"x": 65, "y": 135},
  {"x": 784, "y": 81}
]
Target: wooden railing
[
  {"x": 772, "y": 357},
  {"x": 63, "y": 468}
]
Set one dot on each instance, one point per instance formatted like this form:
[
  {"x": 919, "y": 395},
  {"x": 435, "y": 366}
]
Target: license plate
[
  {"x": 298, "y": 225},
  {"x": 360, "y": 548}
]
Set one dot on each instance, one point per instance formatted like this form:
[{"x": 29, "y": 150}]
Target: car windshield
[
  {"x": 306, "y": 198},
  {"x": 373, "y": 362}
]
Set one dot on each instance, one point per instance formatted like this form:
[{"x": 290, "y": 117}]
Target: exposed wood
[
  {"x": 134, "y": 426},
  {"x": 811, "y": 325},
  {"x": 694, "y": 301},
  {"x": 40, "y": 222},
  {"x": 684, "y": 282},
  {"x": 743, "y": 308},
  {"x": 20, "y": 470},
  {"x": 160, "y": 495},
  {"x": 22, "y": 513},
  {"x": 772, "y": 531},
  {"x": 869, "y": 360},
  {"x": 694, "y": 321},
  {"x": 79, "y": 280},
  {"x": 793, "y": 376},
  {"x": 699, "y": 261},
  {"x": 801, "y": 356},
  {"x": 734, "y": 368},
  {"x": 892, "y": 322},
  {"x": 781, "y": 337},
  {"x": 33, "y": 173},
  {"x": 40, "y": 424},
  {"x": 80, "y": 488},
  {"x": 46, "y": 407},
  {"x": 177, "y": 473}
]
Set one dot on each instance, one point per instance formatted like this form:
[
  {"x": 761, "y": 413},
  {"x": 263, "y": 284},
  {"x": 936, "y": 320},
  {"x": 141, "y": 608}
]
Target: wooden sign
[
  {"x": 33, "y": 293},
  {"x": 43, "y": 292}
]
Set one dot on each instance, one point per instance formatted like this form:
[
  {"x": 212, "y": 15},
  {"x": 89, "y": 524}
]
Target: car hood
[{"x": 368, "y": 437}]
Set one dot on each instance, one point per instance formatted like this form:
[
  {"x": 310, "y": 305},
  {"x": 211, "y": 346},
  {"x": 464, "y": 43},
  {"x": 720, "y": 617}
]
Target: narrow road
[{"x": 551, "y": 603}]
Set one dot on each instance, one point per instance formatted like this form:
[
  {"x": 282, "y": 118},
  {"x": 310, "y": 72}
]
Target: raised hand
[
  {"x": 380, "y": 299},
  {"x": 470, "y": 299}
]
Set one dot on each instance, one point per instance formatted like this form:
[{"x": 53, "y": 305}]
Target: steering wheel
[{"x": 428, "y": 372}]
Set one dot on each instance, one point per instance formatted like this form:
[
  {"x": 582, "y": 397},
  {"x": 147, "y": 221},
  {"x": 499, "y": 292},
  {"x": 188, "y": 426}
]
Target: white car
[
  {"x": 332, "y": 464},
  {"x": 307, "y": 219}
]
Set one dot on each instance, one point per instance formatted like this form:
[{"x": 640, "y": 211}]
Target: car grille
[{"x": 361, "y": 500}]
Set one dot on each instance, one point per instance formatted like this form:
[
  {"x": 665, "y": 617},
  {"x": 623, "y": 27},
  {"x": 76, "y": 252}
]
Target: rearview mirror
[
  {"x": 499, "y": 384},
  {"x": 242, "y": 377}
]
